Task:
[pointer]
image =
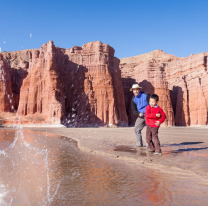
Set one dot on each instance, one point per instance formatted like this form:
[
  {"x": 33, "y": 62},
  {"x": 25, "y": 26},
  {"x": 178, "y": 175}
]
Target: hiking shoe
[
  {"x": 151, "y": 150},
  {"x": 157, "y": 153}
]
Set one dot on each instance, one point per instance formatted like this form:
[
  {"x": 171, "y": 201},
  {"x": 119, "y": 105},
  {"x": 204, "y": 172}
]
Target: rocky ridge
[
  {"x": 76, "y": 87},
  {"x": 83, "y": 85},
  {"x": 181, "y": 83}
]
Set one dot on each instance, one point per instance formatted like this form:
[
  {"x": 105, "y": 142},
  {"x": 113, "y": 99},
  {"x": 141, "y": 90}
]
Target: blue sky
[{"x": 131, "y": 27}]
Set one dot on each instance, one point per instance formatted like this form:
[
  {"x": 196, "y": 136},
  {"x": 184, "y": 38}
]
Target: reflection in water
[{"x": 42, "y": 169}]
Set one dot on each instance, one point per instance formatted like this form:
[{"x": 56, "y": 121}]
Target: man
[{"x": 138, "y": 104}]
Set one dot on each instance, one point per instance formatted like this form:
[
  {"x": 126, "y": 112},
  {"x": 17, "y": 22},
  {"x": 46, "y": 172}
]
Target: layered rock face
[
  {"x": 93, "y": 87},
  {"x": 188, "y": 84},
  {"x": 84, "y": 85},
  {"x": 78, "y": 86},
  {"x": 18, "y": 64},
  {"x": 179, "y": 82},
  {"x": 42, "y": 91},
  {"x": 148, "y": 70},
  {"x": 6, "y": 95}
]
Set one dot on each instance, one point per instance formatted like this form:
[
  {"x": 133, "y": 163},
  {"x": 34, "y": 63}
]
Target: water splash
[{"x": 19, "y": 142}]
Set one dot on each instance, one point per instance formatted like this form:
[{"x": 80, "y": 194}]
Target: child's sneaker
[
  {"x": 157, "y": 153},
  {"x": 150, "y": 150}
]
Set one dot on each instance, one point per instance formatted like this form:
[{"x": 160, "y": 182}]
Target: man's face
[{"x": 136, "y": 92}]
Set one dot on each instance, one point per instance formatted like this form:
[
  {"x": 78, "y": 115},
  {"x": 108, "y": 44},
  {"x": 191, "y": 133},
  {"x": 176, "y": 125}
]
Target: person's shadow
[
  {"x": 180, "y": 144},
  {"x": 184, "y": 149}
]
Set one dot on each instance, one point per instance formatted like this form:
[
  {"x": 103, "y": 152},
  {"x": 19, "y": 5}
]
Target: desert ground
[{"x": 185, "y": 149}]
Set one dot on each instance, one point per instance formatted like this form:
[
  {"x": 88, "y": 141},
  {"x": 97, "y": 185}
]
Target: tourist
[
  {"x": 138, "y": 104},
  {"x": 154, "y": 116}
]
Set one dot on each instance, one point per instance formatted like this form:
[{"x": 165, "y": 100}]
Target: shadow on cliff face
[
  {"x": 78, "y": 91},
  {"x": 127, "y": 84},
  {"x": 147, "y": 87},
  {"x": 178, "y": 104}
]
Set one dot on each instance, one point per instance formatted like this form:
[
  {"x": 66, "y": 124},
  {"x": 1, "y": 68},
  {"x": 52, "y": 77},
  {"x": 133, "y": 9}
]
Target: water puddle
[
  {"x": 42, "y": 169},
  {"x": 185, "y": 149}
]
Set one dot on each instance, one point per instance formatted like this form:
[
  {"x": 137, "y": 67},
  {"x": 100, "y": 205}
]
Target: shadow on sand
[
  {"x": 180, "y": 144},
  {"x": 188, "y": 150}
]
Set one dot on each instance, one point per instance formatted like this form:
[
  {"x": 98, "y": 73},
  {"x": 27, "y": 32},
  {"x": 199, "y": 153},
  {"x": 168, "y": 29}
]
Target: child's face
[{"x": 152, "y": 102}]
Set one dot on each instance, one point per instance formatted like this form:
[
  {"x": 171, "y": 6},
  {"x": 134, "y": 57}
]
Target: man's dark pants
[{"x": 152, "y": 138}]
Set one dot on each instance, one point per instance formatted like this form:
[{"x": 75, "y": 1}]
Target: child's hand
[
  {"x": 140, "y": 114},
  {"x": 158, "y": 115},
  {"x": 157, "y": 123}
]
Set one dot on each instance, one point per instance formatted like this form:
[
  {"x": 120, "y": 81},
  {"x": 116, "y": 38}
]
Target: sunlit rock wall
[
  {"x": 181, "y": 83},
  {"x": 149, "y": 71},
  {"x": 82, "y": 85},
  {"x": 92, "y": 82},
  {"x": 188, "y": 83},
  {"x": 77, "y": 87},
  {"x": 41, "y": 93}
]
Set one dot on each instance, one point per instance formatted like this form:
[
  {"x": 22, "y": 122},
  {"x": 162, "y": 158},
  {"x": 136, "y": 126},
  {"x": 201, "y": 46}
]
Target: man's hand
[
  {"x": 157, "y": 123},
  {"x": 158, "y": 115},
  {"x": 140, "y": 114}
]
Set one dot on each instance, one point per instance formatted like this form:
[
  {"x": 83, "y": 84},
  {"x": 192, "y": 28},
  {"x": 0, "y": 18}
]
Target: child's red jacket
[{"x": 150, "y": 115}]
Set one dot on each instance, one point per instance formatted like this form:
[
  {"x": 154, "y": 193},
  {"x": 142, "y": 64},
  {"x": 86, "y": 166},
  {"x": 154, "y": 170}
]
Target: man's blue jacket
[{"x": 139, "y": 103}]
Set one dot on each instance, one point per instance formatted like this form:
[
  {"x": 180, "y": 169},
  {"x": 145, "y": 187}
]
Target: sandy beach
[{"x": 185, "y": 149}]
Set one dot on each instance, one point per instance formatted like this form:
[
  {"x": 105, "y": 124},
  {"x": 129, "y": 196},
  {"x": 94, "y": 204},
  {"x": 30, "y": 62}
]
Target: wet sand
[
  {"x": 185, "y": 149},
  {"x": 47, "y": 169}
]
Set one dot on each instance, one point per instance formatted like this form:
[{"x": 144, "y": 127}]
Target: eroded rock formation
[
  {"x": 84, "y": 85},
  {"x": 42, "y": 91},
  {"x": 18, "y": 64},
  {"x": 181, "y": 84},
  {"x": 188, "y": 83},
  {"x": 78, "y": 86},
  {"x": 92, "y": 82},
  {"x": 6, "y": 95}
]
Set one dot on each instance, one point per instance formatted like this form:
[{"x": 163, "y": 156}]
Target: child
[{"x": 154, "y": 116}]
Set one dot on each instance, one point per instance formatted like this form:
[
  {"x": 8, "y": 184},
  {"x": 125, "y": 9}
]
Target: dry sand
[{"x": 185, "y": 149}]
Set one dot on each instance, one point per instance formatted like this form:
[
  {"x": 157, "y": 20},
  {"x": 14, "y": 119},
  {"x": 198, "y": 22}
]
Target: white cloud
[{"x": 30, "y": 35}]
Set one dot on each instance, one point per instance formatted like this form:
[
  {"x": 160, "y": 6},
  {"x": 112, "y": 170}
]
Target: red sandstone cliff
[
  {"x": 92, "y": 83},
  {"x": 82, "y": 85},
  {"x": 181, "y": 84},
  {"x": 18, "y": 64},
  {"x": 188, "y": 83},
  {"x": 78, "y": 86},
  {"x": 42, "y": 91},
  {"x": 6, "y": 95}
]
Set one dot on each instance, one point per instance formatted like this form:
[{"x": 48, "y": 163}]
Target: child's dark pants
[{"x": 152, "y": 138}]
